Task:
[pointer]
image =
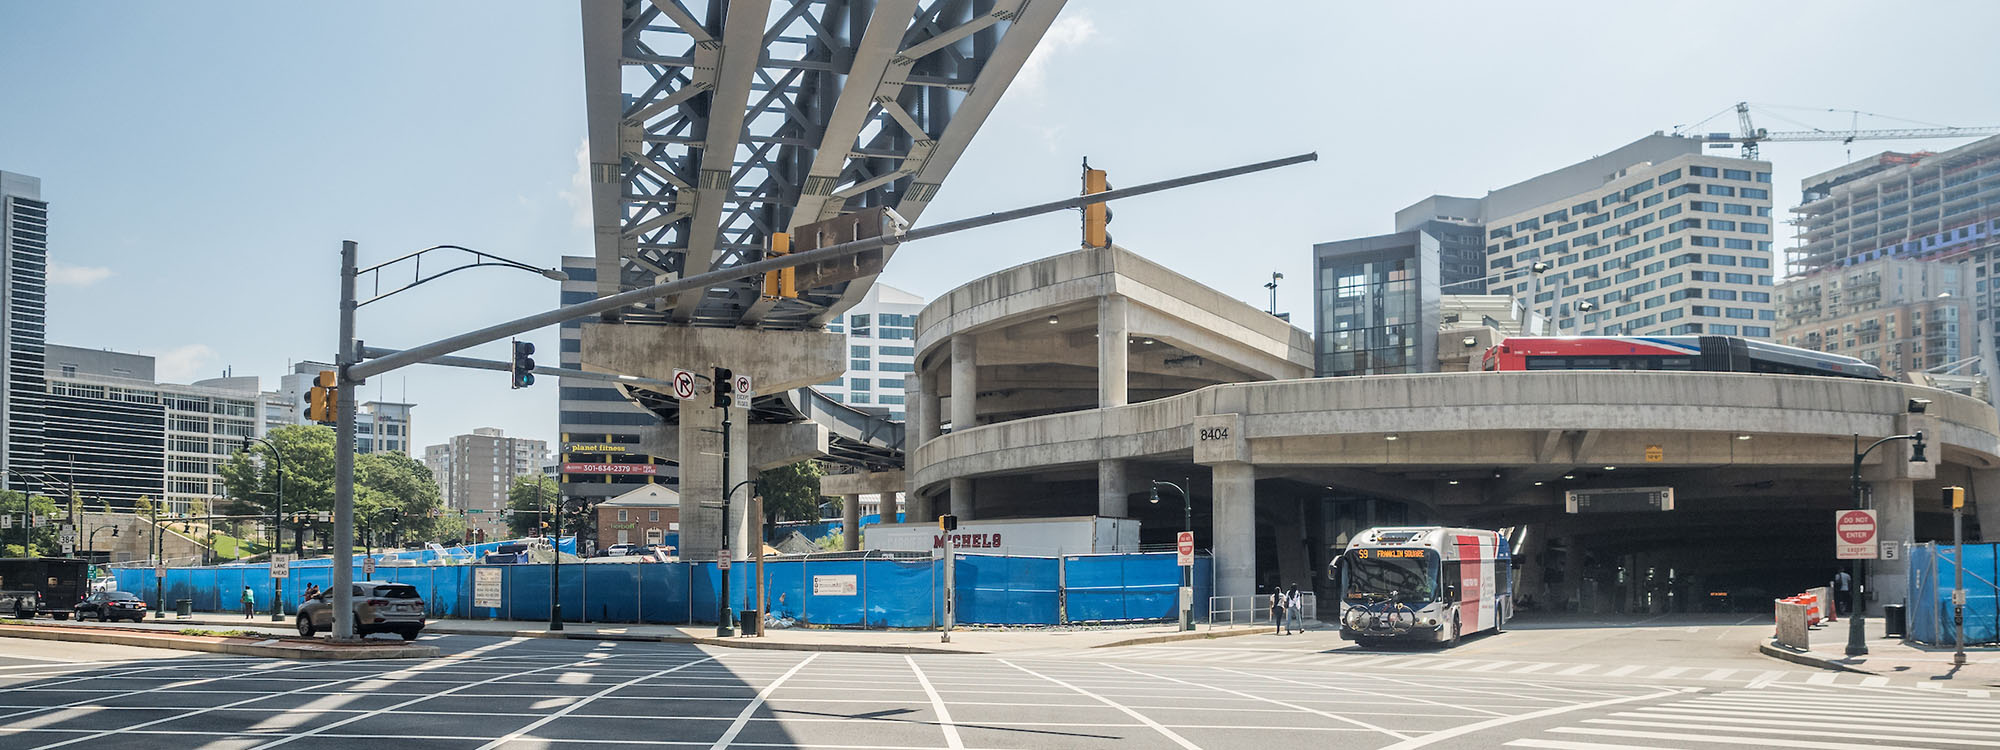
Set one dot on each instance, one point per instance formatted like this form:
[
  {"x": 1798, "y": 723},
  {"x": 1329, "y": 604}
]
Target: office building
[
  {"x": 24, "y": 260},
  {"x": 881, "y": 351},
  {"x": 378, "y": 425},
  {"x": 1899, "y": 314},
  {"x": 600, "y": 428},
  {"x": 1942, "y": 208},
  {"x": 1653, "y": 238},
  {"x": 1377, "y": 304},
  {"x": 117, "y": 436},
  {"x": 474, "y": 473}
]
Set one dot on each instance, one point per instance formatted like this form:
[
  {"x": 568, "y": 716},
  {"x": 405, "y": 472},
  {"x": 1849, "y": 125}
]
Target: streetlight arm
[{"x": 418, "y": 277}]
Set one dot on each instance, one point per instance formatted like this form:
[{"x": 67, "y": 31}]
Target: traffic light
[
  {"x": 782, "y": 283},
  {"x": 725, "y": 387},
  {"x": 1955, "y": 497},
  {"x": 1096, "y": 216},
  {"x": 323, "y": 399},
  {"x": 524, "y": 364},
  {"x": 947, "y": 522}
]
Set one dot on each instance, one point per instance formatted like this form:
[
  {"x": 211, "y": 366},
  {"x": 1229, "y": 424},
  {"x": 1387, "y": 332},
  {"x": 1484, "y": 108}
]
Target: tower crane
[{"x": 1749, "y": 135}]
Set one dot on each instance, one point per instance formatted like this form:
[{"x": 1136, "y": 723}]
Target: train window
[
  {"x": 1548, "y": 363},
  {"x": 1676, "y": 363},
  {"x": 1590, "y": 363}
]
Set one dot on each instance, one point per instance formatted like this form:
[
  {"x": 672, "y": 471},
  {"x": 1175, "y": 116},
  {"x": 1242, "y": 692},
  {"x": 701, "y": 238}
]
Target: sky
[{"x": 205, "y": 160}]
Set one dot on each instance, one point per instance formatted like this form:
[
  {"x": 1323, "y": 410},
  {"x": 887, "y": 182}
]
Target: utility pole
[
  {"x": 343, "y": 454},
  {"x": 555, "y": 569},
  {"x": 723, "y": 627},
  {"x": 1955, "y": 497},
  {"x": 159, "y": 568}
]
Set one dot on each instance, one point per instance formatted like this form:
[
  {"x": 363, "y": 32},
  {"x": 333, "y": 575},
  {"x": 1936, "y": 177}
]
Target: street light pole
[
  {"x": 1857, "y": 635},
  {"x": 555, "y": 570},
  {"x": 159, "y": 568},
  {"x": 277, "y": 525},
  {"x": 1187, "y": 571},
  {"x": 27, "y": 513}
]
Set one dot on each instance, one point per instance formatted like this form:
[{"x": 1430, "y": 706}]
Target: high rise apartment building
[
  {"x": 881, "y": 344},
  {"x": 1653, "y": 238},
  {"x": 475, "y": 471},
  {"x": 24, "y": 261},
  {"x": 600, "y": 428},
  {"x": 1887, "y": 235}
]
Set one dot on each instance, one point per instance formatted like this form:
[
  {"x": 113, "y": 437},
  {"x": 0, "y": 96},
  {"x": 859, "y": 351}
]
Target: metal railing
[{"x": 1255, "y": 609}]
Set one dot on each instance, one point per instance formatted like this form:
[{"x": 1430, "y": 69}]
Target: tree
[
  {"x": 530, "y": 499},
  {"x": 791, "y": 493},
  {"x": 43, "y": 540},
  {"x": 394, "y": 498},
  {"x": 250, "y": 478}
]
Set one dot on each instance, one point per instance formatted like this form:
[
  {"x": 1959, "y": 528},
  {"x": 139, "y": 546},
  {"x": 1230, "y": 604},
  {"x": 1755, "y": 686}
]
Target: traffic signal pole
[{"x": 343, "y": 454}]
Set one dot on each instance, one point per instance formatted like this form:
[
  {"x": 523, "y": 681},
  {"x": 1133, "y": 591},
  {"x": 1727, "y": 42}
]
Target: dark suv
[
  {"x": 111, "y": 605},
  {"x": 379, "y": 607}
]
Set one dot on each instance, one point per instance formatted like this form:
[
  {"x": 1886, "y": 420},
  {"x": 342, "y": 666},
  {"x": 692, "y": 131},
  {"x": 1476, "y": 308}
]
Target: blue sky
[{"x": 206, "y": 159}]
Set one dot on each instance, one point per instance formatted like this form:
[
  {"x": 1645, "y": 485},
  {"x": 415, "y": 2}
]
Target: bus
[
  {"x": 1423, "y": 583},
  {"x": 1684, "y": 353}
]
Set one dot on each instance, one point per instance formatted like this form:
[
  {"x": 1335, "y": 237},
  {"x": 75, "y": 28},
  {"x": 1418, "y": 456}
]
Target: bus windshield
[{"x": 1408, "y": 576}]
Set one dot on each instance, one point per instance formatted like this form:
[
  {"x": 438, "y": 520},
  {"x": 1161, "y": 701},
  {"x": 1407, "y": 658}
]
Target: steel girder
[{"x": 711, "y": 127}]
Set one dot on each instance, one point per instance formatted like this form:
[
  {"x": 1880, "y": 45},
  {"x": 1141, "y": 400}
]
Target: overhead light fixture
[
  {"x": 1610, "y": 468},
  {"x": 1569, "y": 476},
  {"x": 1054, "y": 320},
  {"x": 1745, "y": 436},
  {"x": 1470, "y": 341},
  {"x": 1538, "y": 484},
  {"x": 1148, "y": 342},
  {"x": 1454, "y": 481},
  {"x": 1392, "y": 436}
]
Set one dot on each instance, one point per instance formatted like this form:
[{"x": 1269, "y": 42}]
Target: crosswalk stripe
[
  {"x": 1448, "y": 664},
  {"x": 1823, "y": 678},
  {"x": 1874, "y": 681},
  {"x": 1579, "y": 669},
  {"x": 1825, "y": 713},
  {"x": 1925, "y": 726},
  {"x": 1531, "y": 667},
  {"x": 1566, "y": 745},
  {"x": 1668, "y": 672},
  {"x": 1721, "y": 739},
  {"x": 1857, "y": 701},
  {"x": 1719, "y": 674},
  {"x": 1624, "y": 670},
  {"x": 1843, "y": 731},
  {"x": 1490, "y": 666}
]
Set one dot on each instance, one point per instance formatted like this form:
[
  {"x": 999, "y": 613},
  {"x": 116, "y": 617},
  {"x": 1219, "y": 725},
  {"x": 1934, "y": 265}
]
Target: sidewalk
[
  {"x": 1893, "y": 657},
  {"x": 964, "y": 640}
]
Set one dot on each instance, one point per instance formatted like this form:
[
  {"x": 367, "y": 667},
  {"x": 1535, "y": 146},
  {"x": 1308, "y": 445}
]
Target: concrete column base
[
  {"x": 962, "y": 500},
  {"x": 1234, "y": 534},
  {"x": 1895, "y": 523},
  {"x": 1113, "y": 494},
  {"x": 850, "y": 522}
]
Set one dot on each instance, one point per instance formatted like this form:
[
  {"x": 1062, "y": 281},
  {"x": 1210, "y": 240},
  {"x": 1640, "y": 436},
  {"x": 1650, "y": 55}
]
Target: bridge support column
[
  {"x": 745, "y": 530},
  {"x": 850, "y": 521},
  {"x": 1112, "y": 491},
  {"x": 964, "y": 384},
  {"x": 1113, "y": 351},
  {"x": 1572, "y": 582},
  {"x": 1895, "y": 523},
  {"x": 919, "y": 508},
  {"x": 1234, "y": 530},
  {"x": 1985, "y": 491},
  {"x": 888, "y": 507},
  {"x": 701, "y": 481},
  {"x": 961, "y": 500}
]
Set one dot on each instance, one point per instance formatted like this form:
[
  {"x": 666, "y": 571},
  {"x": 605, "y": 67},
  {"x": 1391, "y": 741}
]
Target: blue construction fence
[
  {"x": 878, "y": 592},
  {"x": 1932, "y": 569}
]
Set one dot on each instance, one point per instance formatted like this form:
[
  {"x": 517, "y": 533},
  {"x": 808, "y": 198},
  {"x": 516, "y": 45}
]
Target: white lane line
[
  {"x": 1797, "y": 744},
  {"x": 1465, "y": 729},
  {"x": 1718, "y": 674},
  {"x": 1564, "y": 745},
  {"x": 1874, "y": 681},
  {"x": 1531, "y": 667},
  {"x": 1762, "y": 680},
  {"x": 95, "y": 699},
  {"x": 1827, "y": 714},
  {"x": 1156, "y": 726},
  {"x": 1391, "y": 696},
  {"x": 1668, "y": 672},
  {"x": 743, "y": 717},
  {"x": 1823, "y": 678},
  {"x": 1624, "y": 670},
  {"x": 571, "y": 708},
  {"x": 951, "y": 739},
  {"x": 1272, "y": 701},
  {"x": 1578, "y": 669},
  {"x": 1491, "y": 666},
  {"x": 1770, "y": 726}
]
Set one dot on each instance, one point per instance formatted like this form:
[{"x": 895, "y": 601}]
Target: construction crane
[{"x": 1749, "y": 135}]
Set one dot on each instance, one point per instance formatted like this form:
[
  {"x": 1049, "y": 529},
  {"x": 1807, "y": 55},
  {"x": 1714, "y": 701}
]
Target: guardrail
[{"x": 1254, "y": 609}]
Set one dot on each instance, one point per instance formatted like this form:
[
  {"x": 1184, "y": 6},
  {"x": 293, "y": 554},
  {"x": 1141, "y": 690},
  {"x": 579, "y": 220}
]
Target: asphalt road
[{"x": 1247, "y": 692}]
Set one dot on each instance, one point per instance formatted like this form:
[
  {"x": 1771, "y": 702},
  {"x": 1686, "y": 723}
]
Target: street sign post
[
  {"x": 1184, "y": 549},
  {"x": 722, "y": 560},
  {"x": 368, "y": 567},
  {"x": 1854, "y": 534},
  {"x": 741, "y": 390},
  {"x": 281, "y": 565},
  {"x": 683, "y": 385}
]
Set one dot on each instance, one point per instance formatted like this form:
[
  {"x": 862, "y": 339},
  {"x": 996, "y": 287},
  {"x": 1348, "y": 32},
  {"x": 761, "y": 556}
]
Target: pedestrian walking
[
  {"x": 1843, "y": 593},
  {"x": 1295, "y": 617},
  {"x": 312, "y": 591},
  {"x": 249, "y": 602},
  {"x": 1277, "y": 611}
]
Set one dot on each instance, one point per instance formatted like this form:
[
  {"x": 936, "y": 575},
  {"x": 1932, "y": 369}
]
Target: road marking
[
  {"x": 1778, "y": 725},
  {"x": 1465, "y": 729},
  {"x": 1563, "y": 745},
  {"x": 1578, "y": 669},
  {"x": 743, "y": 717},
  {"x": 951, "y": 739},
  {"x": 1668, "y": 672},
  {"x": 1366, "y": 692},
  {"x": 1823, "y": 678},
  {"x": 1719, "y": 674},
  {"x": 1624, "y": 670},
  {"x": 571, "y": 708},
  {"x": 1156, "y": 726},
  {"x": 1272, "y": 701},
  {"x": 1728, "y": 740},
  {"x": 1531, "y": 667},
  {"x": 1874, "y": 681}
]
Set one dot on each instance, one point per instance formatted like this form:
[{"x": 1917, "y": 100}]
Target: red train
[{"x": 1689, "y": 353}]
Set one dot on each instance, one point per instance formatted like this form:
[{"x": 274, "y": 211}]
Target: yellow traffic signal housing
[
  {"x": 1955, "y": 497},
  {"x": 323, "y": 399},
  {"x": 1096, "y": 216},
  {"x": 782, "y": 283}
]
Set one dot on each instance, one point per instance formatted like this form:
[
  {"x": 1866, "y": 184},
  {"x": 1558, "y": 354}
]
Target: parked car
[
  {"x": 111, "y": 605},
  {"x": 621, "y": 550},
  {"x": 379, "y": 607}
]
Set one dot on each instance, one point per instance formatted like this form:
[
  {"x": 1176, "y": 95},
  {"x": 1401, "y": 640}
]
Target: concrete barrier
[{"x": 1792, "y": 629}]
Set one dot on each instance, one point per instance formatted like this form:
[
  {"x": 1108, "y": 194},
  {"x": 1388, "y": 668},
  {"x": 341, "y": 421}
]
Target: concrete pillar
[
  {"x": 888, "y": 506},
  {"x": 1985, "y": 496},
  {"x": 850, "y": 522},
  {"x": 701, "y": 480},
  {"x": 745, "y": 526},
  {"x": 1895, "y": 523},
  {"x": 920, "y": 508},
  {"x": 919, "y": 411},
  {"x": 1294, "y": 565},
  {"x": 933, "y": 407},
  {"x": 1113, "y": 350},
  {"x": 961, "y": 500},
  {"x": 964, "y": 383},
  {"x": 1112, "y": 492},
  {"x": 1233, "y": 493}
]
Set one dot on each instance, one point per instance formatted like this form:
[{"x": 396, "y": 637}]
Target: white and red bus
[
  {"x": 1424, "y": 583},
  {"x": 1685, "y": 353}
]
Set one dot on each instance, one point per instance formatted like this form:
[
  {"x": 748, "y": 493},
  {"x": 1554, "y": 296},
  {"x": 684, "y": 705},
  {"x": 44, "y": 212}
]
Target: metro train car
[{"x": 1686, "y": 353}]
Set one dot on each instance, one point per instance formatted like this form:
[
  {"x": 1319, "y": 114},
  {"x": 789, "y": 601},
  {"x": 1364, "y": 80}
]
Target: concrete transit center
[{"x": 1065, "y": 386}]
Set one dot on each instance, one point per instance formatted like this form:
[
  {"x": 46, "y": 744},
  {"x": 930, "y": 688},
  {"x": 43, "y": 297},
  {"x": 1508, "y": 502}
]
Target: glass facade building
[
  {"x": 1376, "y": 300},
  {"x": 24, "y": 261}
]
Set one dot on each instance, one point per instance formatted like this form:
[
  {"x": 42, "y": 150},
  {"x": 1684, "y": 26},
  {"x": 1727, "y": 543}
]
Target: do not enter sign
[
  {"x": 1854, "y": 534},
  {"x": 1185, "y": 549}
]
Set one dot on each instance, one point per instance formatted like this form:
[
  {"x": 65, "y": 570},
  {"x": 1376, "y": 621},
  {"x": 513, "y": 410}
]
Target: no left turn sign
[{"x": 683, "y": 385}]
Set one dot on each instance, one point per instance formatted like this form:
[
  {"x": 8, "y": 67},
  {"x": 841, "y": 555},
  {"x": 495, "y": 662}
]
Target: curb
[
  {"x": 1195, "y": 636},
  {"x": 697, "y": 641},
  {"x": 234, "y": 646},
  {"x": 1785, "y": 654}
]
